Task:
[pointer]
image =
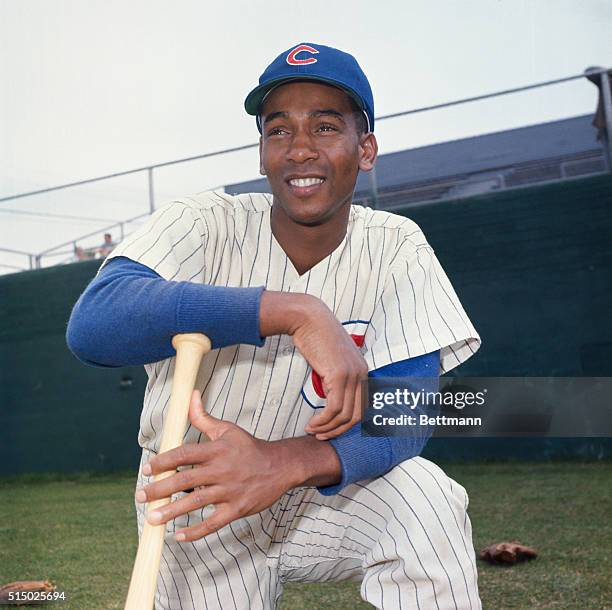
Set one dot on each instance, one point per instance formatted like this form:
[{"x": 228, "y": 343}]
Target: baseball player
[{"x": 302, "y": 294}]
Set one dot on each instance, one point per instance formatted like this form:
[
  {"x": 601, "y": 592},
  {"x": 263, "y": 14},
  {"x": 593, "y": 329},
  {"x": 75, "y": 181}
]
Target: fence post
[
  {"x": 151, "y": 192},
  {"x": 602, "y": 120},
  {"x": 607, "y": 106}
]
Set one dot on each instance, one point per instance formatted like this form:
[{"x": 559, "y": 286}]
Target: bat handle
[{"x": 190, "y": 348}]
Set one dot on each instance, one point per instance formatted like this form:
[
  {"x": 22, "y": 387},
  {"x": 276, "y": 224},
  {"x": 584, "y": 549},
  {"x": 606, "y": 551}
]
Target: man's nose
[{"x": 302, "y": 147}]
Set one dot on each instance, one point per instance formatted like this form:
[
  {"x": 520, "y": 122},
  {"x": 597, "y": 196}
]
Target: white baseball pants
[{"x": 405, "y": 535}]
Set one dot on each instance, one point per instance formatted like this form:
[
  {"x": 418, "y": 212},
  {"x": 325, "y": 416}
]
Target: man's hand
[
  {"x": 236, "y": 472},
  {"x": 329, "y": 350}
]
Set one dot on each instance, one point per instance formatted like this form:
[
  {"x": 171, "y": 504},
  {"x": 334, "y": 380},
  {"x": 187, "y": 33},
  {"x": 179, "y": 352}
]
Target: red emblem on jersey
[
  {"x": 313, "y": 392},
  {"x": 317, "y": 384},
  {"x": 358, "y": 339},
  {"x": 293, "y": 60}
]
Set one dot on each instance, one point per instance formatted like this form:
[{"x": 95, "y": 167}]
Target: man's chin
[
  {"x": 309, "y": 222},
  {"x": 312, "y": 217},
  {"x": 307, "y": 213},
  {"x": 304, "y": 213}
]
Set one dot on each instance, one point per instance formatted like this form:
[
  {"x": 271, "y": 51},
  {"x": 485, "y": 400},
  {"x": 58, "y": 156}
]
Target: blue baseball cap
[{"x": 309, "y": 61}]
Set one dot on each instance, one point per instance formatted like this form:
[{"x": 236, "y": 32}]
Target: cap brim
[{"x": 253, "y": 101}]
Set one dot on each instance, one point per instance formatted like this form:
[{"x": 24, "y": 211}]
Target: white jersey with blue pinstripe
[{"x": 386, "y": 286}]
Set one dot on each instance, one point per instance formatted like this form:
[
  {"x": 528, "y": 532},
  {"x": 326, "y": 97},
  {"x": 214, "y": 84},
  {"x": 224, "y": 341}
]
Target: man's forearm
[
  {"x": 281, "y": 312},
  {"x": 128, "y": 315},
  {"x": 304, "y": 460}
]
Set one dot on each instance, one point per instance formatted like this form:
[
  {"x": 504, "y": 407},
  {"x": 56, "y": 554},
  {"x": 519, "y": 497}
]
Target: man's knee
[
  {"x": 420, "y": 478},
  {"x": 425, "y": 545}
]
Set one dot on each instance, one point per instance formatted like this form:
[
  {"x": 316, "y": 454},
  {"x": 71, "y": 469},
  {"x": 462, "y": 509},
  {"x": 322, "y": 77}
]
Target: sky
[{"x": 93, "y": 87}]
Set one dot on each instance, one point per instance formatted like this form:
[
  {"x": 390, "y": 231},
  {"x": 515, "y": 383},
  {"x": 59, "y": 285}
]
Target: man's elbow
[{"x": 86, "y": 338}]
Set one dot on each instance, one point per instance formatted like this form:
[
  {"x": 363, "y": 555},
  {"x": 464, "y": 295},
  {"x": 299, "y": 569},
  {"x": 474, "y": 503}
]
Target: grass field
[{"x": 80, "y": 533}]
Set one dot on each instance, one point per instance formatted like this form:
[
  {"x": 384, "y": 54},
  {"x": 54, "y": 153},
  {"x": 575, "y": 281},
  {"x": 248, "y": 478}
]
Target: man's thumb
[{"x": 200, "y": 419}]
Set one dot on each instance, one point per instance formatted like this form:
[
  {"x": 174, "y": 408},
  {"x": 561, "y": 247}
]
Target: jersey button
[
  {"x": 287, "y": 350},
  {"x": 274, "y": 402}
]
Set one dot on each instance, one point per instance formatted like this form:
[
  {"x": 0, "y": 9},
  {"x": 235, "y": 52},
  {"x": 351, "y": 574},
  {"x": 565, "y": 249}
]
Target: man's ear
[
  {"x": 368, "y": 151},
  {"x": 262, "y": 171}
]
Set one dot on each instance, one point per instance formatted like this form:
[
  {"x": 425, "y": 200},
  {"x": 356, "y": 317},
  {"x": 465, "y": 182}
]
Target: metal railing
[{"x": 35, "y": 259}]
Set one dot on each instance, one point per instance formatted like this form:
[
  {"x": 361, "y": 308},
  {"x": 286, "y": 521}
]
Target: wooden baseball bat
[{"x": 190, "y": 348}]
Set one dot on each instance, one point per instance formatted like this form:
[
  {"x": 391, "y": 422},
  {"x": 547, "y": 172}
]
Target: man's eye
[
  {"x": 327, "y": 127},
  {"x": 275, "y": 131}
]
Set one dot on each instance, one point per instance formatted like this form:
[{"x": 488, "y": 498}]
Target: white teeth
[{"x": 305, "y": 181}]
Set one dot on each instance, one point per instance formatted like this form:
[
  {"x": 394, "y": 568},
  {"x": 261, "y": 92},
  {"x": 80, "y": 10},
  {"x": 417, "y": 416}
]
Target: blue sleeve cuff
[
  {"x": 228, "y": 316},
  {"x": 364, "y": 457},
  {"x": 359, "y": 460}
]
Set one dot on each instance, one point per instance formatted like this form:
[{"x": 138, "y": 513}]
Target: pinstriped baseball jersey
[{"x": 383, "y": 283}]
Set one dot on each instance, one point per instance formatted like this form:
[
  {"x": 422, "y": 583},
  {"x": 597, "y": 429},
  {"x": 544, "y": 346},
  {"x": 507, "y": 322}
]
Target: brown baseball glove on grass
[
  {"x": 507, "y": 552},
  {"x": 21, "y": 587}
]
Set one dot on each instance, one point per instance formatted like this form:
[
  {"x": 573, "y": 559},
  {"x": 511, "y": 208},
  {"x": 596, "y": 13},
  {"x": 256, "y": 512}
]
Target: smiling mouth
[{"x": 305, "y": 182}]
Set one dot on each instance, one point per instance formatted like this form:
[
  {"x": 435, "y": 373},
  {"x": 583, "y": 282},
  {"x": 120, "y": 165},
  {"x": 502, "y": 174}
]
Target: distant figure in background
[
  {"x": 106, "y": 248},
  {"x": 88, "y": 254},
  {"x": 82, "y": 254}
]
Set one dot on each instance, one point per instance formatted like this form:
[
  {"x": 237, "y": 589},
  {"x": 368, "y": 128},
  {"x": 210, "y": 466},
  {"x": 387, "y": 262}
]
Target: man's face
[{"x": 311, "y": 151}]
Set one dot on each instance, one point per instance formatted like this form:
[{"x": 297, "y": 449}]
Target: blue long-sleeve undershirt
[{"x": 128, "y": 315}]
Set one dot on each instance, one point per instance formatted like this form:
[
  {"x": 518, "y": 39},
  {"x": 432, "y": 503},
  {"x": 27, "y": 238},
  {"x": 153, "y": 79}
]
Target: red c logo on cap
[{"x": 292, "y": 60}]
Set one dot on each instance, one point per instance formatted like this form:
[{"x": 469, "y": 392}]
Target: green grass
[{"x": 80, "y": 532}]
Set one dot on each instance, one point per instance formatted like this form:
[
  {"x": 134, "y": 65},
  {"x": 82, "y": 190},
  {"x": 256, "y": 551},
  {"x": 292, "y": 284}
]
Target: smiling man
[
  {"x": 312, "y": 147},
  {"x": 303, "y": 295}
]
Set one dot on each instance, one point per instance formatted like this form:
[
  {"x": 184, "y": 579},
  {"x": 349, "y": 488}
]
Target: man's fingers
[
  {"x": 203, "y": 421},
  {"x": 334, "y": 406},
  {"x": 353, "y": 413},
  {"x": 180, "y": 481},
  {"x": 342, "y": 421},
  {"x": 352, "y": 404},
  {"x": 216, "y": 521},
  {"x": 335, "y": 428},
  {"x": 198, "y": 498},
  {"x": 191, "y": 453}
]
